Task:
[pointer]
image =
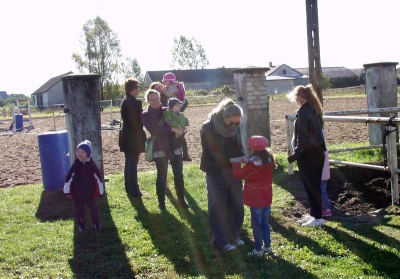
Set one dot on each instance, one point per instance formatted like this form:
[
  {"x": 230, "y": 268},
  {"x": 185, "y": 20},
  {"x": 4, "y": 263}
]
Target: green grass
[{"x": 40, "y": 240}]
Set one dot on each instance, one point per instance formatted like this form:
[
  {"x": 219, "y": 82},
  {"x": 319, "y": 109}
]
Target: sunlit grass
[{"x": 39, "y": 238}]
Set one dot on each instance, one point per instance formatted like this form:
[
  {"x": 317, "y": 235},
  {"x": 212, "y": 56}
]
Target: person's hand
[
  {"x": 177, "y": 131},
  {"x": 291, "y": 159},
  {"x": 234, "y": 160}
]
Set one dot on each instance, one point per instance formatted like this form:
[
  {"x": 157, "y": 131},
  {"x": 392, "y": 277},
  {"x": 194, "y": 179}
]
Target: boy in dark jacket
[{"x": 83, "y": 185}]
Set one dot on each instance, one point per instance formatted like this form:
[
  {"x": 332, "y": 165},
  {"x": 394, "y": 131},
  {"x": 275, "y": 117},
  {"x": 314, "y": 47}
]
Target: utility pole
[{"x": 314, "y": 57}]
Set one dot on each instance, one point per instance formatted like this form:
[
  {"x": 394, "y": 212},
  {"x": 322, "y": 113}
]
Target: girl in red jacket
[{"x": 257, "y": 194}]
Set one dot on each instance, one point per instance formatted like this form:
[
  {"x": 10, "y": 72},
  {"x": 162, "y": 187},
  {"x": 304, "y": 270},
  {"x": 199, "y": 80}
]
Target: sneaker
[
  {"x": 97, "y": 227},
  {"x": 306, "y": 219},
  {"x": 186, "y": 157},
  {"x": 314, "y": 222},
  {"x": 239, "y": 242},
  {"x": 326, "y": 213},
  {"x": 185, "y": 205},
  {"x": 82, "y": 228},
  {"x": 255, "y": 253},
  {"x": 267, "y": 249},
  {"x": 229, "y": 247},
  {"x": 162, "y": 207}
]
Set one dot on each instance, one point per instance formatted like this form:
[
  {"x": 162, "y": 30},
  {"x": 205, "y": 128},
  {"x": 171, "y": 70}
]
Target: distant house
[
  {"x": 3, "y": 95},
  {"x": 359, "y": 72},
  {"x": 202, "y": 79},
  {"x": 282, "y": 78},
  {"x": 331, "y": 72},
  {"x": 341, "y": 77},
  {"x": 50, "y": 93}
]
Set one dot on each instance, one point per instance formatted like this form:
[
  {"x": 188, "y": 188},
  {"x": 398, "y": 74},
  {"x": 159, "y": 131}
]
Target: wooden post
[
  {"x": 252, "y": 96},
  {"x": 314, "y": 57},
  {"x": 392, "y": 162},
  {"x": 82, "y": 114},
  {"x": 381, "y": 90}
]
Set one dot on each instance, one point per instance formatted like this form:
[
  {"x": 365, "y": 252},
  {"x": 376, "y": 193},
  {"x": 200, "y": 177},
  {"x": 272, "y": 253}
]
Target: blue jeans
[
  {"x": 260, "y": 226},
  {"x": 161, "y": 182},
  {"x": 326, "y": 204},
  {"x": 130, "y": 173},
  {"x": 225, "y": 206}
]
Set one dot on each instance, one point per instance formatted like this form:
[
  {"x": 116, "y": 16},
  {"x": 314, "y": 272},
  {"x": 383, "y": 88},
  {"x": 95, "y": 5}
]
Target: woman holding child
[
  {"x": 220, "y": 141},
  {"x": 166, "y": 147}
]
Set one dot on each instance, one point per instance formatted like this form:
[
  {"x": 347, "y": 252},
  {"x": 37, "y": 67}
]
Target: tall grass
[{"x": 40, "y": 240}]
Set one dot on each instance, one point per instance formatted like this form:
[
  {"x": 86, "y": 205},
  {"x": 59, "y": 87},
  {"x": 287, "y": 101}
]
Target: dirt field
[{"x": 20, "y": 162}]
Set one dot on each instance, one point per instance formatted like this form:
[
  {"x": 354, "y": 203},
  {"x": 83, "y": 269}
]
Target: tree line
[{"x": 101, "y": 54}]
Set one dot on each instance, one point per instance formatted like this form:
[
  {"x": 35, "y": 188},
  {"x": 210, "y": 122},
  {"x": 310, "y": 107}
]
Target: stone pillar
[
  {"x": 82, "y": 114},
  {"x": 252, "y": 96},
  {"x": 381, "y": 90}
]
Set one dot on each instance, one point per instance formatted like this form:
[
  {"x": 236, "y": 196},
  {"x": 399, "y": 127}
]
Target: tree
[
  {"x": 102, "y": 52},
  {"x": 132, "y": 69},
  {"x": 326, "y": 82},
  {"x": 188, "y": 54}
]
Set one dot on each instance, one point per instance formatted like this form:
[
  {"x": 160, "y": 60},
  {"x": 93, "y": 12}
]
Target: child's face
[
  {"x": 81, "y": 154},
  {"x": 167, "y": 82},
  {"x": 177, "y": 107}
]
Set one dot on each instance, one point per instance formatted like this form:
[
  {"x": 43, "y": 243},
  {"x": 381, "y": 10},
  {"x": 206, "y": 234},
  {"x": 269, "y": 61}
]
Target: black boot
[{"x": 185, "y": 155}]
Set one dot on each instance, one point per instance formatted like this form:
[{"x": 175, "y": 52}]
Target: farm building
[
  {"x": 282, "y": 78},
  {"x": 202, "y": 79},
  {"x": 50, "y": 93}
]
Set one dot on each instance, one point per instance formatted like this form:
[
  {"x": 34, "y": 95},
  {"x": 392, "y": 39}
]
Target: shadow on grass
[
  {"x": 53, "y": 206},
  {"x": 384, "y": 262},
  {"x": 96, "y": 254},
  {"x": 186, "y": 243},
  {"x": 301, "y": 240}
]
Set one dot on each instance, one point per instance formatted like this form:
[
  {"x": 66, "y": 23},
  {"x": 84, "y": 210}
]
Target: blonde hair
[
  {"x": 226, "y": 109},
  {"x": 309, "y": 94}
]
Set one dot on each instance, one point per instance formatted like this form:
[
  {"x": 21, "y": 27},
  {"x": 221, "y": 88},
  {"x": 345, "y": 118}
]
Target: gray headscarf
[{"x": 223, "y": 130}]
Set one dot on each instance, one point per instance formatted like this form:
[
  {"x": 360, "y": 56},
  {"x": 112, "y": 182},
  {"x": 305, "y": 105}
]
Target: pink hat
[
  {"x": 169, "y": 77},
  {"x": 257, "y": 143}
]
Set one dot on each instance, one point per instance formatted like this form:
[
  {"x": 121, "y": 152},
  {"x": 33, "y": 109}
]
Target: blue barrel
[
  {"x": 54, "y": 160},
  {"x": 19, "y": 122}
]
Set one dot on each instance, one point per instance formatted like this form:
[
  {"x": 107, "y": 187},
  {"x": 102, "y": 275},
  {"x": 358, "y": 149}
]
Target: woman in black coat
[
  {"x": 132, "y": 136},
  {"x": 309, "y": 148}
]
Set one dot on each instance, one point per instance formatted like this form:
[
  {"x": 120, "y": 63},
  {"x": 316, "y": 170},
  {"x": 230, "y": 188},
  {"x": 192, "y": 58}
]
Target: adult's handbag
[{"x": 149, "y": 149}]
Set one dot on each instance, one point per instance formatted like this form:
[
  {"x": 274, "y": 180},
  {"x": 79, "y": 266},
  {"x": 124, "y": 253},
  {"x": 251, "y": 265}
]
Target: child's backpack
[{"x": 181, "y": 90}]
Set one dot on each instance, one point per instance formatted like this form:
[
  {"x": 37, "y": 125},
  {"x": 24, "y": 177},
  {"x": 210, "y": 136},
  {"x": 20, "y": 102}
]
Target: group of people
[{"x": 223, "y": 161}]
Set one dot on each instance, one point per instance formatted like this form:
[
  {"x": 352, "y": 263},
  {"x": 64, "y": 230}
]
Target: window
[{"x": 284, "y": 72}]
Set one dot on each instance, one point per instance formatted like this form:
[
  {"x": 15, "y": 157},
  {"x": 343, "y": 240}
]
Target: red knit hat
[
  {"x": 257, "y": 143},
  {"x": 169, "y": 77}
]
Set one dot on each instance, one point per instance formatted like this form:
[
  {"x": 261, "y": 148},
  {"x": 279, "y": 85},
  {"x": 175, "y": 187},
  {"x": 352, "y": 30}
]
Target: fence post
[
  {"x": 252, "y": 96},
  {"x": 289, "y": 136},
  {"x": 392, "y": 157}
]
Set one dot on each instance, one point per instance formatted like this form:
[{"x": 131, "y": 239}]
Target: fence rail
[{"x": 391, "y": 125}]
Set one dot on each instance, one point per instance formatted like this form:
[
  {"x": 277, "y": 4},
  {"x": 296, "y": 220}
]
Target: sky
[{"x": 38, "y": 38}]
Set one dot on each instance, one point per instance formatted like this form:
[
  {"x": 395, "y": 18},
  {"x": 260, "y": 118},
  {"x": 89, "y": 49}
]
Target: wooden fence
[{"x": 391, "y": 125}]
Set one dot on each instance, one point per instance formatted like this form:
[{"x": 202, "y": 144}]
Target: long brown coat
[{"x": 132, "y": 136}]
